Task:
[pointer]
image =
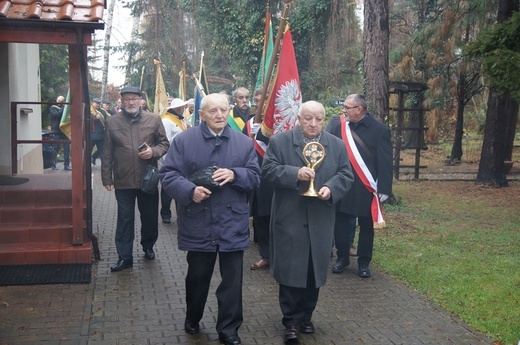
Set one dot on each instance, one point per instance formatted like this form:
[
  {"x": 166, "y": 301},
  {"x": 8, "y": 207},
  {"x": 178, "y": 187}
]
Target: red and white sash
[
  {"x": 260, "y": 146},
  {"x": 363, "y": 173}
]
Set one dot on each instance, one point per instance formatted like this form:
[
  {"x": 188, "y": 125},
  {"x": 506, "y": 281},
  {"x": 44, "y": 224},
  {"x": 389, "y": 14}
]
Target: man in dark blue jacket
[{"x": 213, "y": 222}]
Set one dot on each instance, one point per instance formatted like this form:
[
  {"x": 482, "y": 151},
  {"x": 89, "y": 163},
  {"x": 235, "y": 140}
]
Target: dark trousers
[
  {"x": 344, "y": 222},
  {"x": 100, "y": 145},
  {"x": 261, "y": 227},
  {"x": 66, "y": 148},
  {"x": 148, "y": 205},
  {"x": 229, "y": 291},
  {"x": 344, "y": 233},
  {"x": 366, "y": 239},
  {"x": 166, "y": 203},
  {"x": 298, "y": 304}
]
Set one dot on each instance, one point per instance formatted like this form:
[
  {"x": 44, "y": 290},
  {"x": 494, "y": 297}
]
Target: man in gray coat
[{"x": 302, "y": 227}]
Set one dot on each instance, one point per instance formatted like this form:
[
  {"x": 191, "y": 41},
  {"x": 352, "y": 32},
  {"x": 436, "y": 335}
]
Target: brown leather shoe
[
  {"x": 352, "y": 251},
  {"x": 291, "y": 335},
  {"x": 262, "y": 263}
]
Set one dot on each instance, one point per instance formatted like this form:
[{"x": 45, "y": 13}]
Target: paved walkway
[{"x": 145, "y": 304}]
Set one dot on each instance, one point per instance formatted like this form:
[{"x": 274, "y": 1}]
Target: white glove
[
  {"x": 255, "y": 127},
  {"x": 382, "y": 197}
]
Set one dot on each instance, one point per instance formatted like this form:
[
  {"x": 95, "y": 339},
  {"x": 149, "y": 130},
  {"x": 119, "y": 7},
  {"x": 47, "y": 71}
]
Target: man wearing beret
[
  {"x": 133, "y": 139},
  {"x": 106, "y": 106}
]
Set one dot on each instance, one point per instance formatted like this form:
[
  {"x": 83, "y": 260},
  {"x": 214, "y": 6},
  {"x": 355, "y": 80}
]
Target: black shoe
[
  {"x": 190, "y": 329},
  {"x": 166, "y": 220},
  {"x": 121, "y": 265},
  {"x": 68, "y": 168},
  {"x": 307, "y": 327},
  {"x": 363, "y": 271},
  {"x": 291, "y": 334},
  {"x": 232, "y": 340},
  {"x": 341, "y": 264},
  {"x": 149, "y": 254}
]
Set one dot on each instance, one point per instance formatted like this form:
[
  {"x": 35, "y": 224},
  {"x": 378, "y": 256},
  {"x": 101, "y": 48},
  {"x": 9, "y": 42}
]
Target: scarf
[
  {"x": 362, "y": 172},
  {"x": 175, "y": 120},
  {"x": 260, "y": 146}
]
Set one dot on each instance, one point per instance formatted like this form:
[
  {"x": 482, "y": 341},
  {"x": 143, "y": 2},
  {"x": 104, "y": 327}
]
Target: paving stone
[{"x": 145, "y": 305}]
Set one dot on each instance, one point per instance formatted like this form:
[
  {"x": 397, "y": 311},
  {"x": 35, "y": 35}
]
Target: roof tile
[{"x": 53, "y": 10}]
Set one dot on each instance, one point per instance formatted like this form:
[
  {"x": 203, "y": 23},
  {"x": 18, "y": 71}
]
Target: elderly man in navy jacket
[{"x": 213, "y": 222}]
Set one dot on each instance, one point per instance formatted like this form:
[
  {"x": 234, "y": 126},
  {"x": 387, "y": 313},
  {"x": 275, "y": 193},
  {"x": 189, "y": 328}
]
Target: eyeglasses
[
  {"x": 348, "y": 108},
  {"x": 135, "y": 99}
]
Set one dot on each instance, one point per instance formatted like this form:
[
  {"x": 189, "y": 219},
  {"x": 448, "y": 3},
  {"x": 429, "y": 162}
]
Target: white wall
[
  {"x": 5, "y": 133},
  {"x": 20, "y": 63}
]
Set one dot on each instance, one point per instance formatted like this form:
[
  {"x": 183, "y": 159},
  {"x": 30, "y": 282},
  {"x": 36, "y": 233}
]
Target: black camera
[{"x": 142, "y": 147}]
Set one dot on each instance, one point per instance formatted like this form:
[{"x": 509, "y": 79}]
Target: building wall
[
  {"x": 5, "y": 131},
  {"x": 19, "y": 82}
]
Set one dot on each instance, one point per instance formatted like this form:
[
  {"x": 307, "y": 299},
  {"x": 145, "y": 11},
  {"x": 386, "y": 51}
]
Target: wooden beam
[
  {"x": 77, "y": 140},
  {"x": 14, "y": 35}
]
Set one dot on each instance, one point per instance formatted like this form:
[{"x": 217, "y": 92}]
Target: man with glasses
[
  {"x": 370, "y": 153},
  {"x": 133, "y": 139}
]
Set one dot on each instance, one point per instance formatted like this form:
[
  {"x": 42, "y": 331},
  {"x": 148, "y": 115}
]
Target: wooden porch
[{"x": 36, "y": 223}]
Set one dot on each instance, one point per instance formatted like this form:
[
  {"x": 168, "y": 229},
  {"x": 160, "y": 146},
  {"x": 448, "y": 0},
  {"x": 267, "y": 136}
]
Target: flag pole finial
[{"x": 201, "y": 63}]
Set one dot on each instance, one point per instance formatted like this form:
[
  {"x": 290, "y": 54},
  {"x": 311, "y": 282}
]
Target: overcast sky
[{"x": 121, "y": 32}]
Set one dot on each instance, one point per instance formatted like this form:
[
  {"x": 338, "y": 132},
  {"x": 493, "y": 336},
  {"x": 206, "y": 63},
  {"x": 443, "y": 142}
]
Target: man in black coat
[
  {"x": 372, "y": 146},
  {"x": 99, "y": 116},
  {"x": 260, "y": 200},
  {"x": 56, "y": 115}
]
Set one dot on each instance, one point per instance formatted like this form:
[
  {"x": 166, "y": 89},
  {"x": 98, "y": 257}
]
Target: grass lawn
[{"x": 458, "y": 243}]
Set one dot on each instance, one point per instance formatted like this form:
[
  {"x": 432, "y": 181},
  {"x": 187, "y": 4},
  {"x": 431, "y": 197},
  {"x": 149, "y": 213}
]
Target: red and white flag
[{"x": 285, "y": 97}]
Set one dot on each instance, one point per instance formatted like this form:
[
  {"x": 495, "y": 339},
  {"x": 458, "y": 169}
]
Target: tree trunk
[
  {"x": 456, "y": 149},
  {"x": 106, "y": 58},
  {"x": 501, "y": 115},
  {"x": 375, "y": 39},
  {"x": 491, "y": 170},
  {"x": 132, "y": 49},
  {"x": 511, "y": 130}
]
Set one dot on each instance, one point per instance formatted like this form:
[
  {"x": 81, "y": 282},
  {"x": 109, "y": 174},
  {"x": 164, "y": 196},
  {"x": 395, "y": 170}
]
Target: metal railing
[{"x": 14, "y": 134}]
